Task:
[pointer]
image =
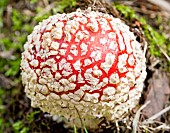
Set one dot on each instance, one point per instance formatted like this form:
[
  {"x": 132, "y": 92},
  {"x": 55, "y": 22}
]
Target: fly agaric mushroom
[{"x": 86, "y": 61}]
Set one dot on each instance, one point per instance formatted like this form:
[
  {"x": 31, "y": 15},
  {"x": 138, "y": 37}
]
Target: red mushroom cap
[{"x": 86, "y": 60}]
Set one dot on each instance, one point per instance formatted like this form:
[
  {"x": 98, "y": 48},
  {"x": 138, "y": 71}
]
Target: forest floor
[{"x": 148, "y": 19}]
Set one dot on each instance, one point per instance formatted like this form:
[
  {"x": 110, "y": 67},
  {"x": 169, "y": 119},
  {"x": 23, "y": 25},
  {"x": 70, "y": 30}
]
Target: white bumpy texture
[{"x": 56, "y": 84}]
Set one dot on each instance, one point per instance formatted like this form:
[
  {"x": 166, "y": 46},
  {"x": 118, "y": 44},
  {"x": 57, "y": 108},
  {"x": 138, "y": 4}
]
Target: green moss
[
  {"x": 1, "y": 123},
  {"x": 3, "y": 4},
  {"x": 158, "y": 20},
  {"x": 33, "y": 1},
  {"x": 126, "y": 11},
  {"x": 14, "y": 67},
  {"x": 16, "y": 20},
  {"x": 2, "y": 109},
  {"x": 19, "y": 127},
  {"x": 31, "y": 116},
  {"x": 41, "y": 14},
  {"x": 1, "y": 94},
  {"x": 27, "y": 28},
  {"x": 155, "y": 40},
  {"x": 59, "y": 7},
  {"x": 63, "y": 4},
  {"x": 10, "y": 66},
  {"x": 6, "y": 43}
]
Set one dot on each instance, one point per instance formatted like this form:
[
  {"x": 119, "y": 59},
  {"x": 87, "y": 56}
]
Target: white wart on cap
[{"x": 86, "y": 60}]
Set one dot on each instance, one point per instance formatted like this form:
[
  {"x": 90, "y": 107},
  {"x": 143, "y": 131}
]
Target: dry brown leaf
[{"x": 158, "y": 94}]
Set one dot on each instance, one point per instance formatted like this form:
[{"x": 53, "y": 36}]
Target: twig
[
  {"x": 150, "y": 120},
  {"x": 117, "y": 126},
  {"x": 136, "y": 119},
  {"x": 145, "y": 47},
  {"x": 147, "y": 129},
  {"x": 46, "y": 3},
  {"x": 153, "y": 64},
  {"x": 163, "y": 126},
  {"x": 158, "y": 128},
  {"x": 164, "y": 53},
  {"x": 94, "y": 3}
]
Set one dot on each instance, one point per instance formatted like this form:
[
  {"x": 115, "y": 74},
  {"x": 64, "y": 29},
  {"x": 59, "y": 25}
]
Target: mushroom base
[{"x": 90, "y": 114}]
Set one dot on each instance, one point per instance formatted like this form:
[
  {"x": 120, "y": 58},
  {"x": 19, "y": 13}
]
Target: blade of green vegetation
[
  {"x": 75, "y": 129},
  {"x": 85, "y": 130}
]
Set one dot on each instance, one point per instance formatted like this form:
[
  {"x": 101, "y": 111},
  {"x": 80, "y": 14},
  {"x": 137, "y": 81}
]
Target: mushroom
[{"x": 86, "y": 63}]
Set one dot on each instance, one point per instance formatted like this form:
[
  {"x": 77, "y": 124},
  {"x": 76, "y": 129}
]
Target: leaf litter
[{"x": 158, "y": 94}]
